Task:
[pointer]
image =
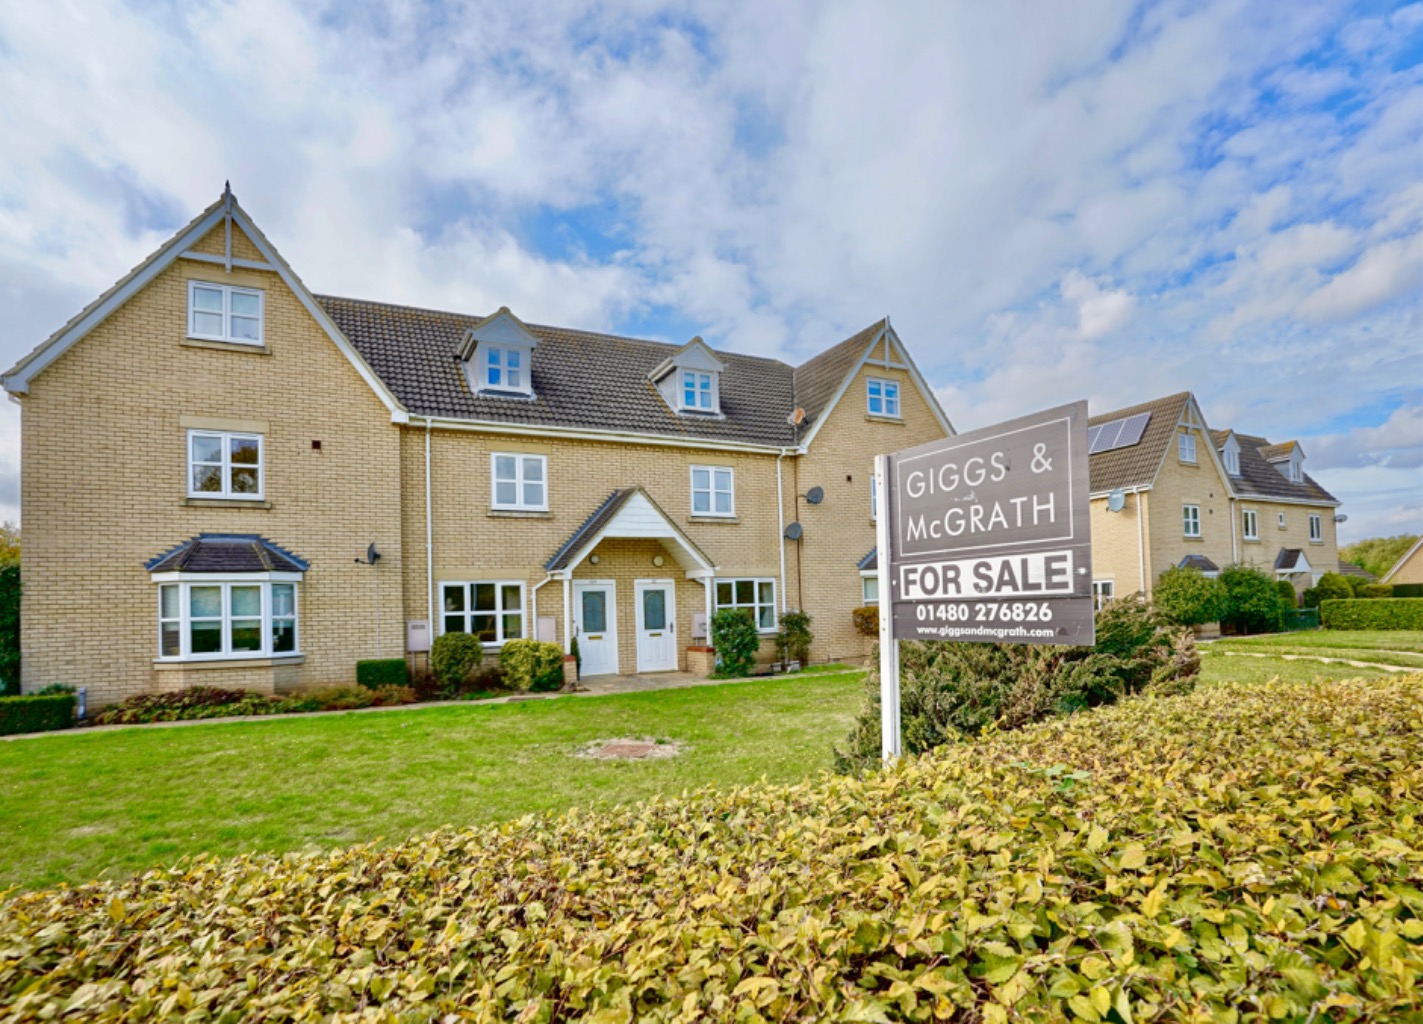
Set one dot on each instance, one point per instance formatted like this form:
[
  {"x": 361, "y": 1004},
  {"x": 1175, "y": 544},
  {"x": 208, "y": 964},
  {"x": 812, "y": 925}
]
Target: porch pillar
[{"x": 567, "y": 615}]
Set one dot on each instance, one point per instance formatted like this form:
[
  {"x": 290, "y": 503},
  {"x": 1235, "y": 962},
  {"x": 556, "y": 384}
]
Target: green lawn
[
  {"x": 1219, "y": 669},
  {"x": 106, "y": 804},
  {"x": 1384, "y": 647}
]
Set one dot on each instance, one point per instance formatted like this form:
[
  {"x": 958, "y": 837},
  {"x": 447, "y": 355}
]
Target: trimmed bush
[
  {"x": 736, "y": 641},
  {"x": 1383, "y": 613},
  {"x": 794, "y": 639},
  {"x": 39, "y": 713},
  {"x": 866, "y": 620},
  {"x": 1374, "y": 591},
  {"x": 9, "y": 629},
  {"x": 1252, "y": 603},
  {"x": 1332, "y": 586},
  {"x": 1244, "y": 853},
  {"x": 1187, "y": 597},
  {"x": 949, "y": 691},
  {"x": 532, "y": 665},
  {"x": 455, "y": 657},
  {"x": 1407, "y": 590},
  {"x": 382, "y": 672}
]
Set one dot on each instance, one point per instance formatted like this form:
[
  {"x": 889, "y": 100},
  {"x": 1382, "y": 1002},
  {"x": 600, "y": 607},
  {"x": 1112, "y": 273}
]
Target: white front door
[
  {"x": 595, "y": 623},
  {"x": 656, "y": 625}
]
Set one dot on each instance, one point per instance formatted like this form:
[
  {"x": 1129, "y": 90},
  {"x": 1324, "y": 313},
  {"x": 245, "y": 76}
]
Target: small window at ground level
[
  {"x": 869, "y": 586},
  {"x": 492, "y": 610},
  {"x": 1191, "y": 520},
  {"x": 220, "y": 312},
  {"x": 1316, "y": 529},
  {"x": 883, "y": 397},
  {"x": 1102, "y": 593},
  {"x": 756, "y": 595},
  {"x": 213, "y": 620}
]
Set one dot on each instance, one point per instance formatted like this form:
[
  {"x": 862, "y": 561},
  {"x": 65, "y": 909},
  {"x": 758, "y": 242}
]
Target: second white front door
[
  {"x": 656, "y": 625},
  {"x": 596, "y": 626}
]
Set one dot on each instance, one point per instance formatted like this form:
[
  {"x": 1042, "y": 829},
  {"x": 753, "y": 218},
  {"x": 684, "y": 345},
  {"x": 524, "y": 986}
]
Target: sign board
[{"x": 985, "y": 537}]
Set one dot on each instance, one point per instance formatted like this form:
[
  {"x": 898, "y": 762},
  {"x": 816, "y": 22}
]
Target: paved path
[{"x": 1323, "y": 660}]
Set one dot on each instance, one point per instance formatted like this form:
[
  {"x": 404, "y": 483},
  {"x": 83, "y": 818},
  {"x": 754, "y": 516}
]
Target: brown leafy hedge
[{"x": 1237, "y": 854}]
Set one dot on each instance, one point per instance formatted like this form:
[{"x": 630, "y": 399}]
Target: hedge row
[
  {"x": 382, "y": 672},
  {"x": 36, "y": 713},
  {"x": 1240, "y": 854},
  {"x": 1380, "y": 613}
]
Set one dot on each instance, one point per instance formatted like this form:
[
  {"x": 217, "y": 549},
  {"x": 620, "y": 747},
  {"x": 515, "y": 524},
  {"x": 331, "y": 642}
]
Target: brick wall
[{"x": 1177, "y": 484}]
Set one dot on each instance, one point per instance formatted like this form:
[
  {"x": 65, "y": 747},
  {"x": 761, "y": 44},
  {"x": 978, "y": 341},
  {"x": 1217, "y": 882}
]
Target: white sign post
[{"x": 984, "y": 537}]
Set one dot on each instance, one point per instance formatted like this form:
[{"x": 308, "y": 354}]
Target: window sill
[
  {"x": 1317, "y": 543},
  {"x": 1197, "y": 540},
  {"x": 227, "y": 346},
  {"x": 871, "y": 417},
  {"x": 1250, "y": 540},
  {"x": 697, "y": 518},
  {"x": 176, "y": 664},
  {"x": 1189, "y": 462},
  {"x": 226, "y": 503},
  {"x": 519, "y": 513}
]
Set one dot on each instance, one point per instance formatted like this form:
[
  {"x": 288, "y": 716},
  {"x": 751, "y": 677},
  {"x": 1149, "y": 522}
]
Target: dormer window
[
  {"x": 1232, "y": 462},
  {"x": 498, "y": 354},
  {"x": 503, "y": 369},
  {"x": 698, "y": 391}
]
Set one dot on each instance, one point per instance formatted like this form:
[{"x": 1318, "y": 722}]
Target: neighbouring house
[
  {"x": 229, "y": 480},
  {"x": 1409, "y": 568},
  {"x": 1169, "y": 491},
  {"x": 1358, "y": 571}
]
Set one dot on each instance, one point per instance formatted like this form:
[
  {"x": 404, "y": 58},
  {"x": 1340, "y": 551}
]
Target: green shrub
[
  {"x": 1383, "y": 613},
  {"x": 1289, "y": 597},
  {"x": 1243, "y": 853},
  {"x": 382, "y": 672},
  {"x": 339, "y": 698},
  {"x": 952, "y": 690},
  {"x": 390, "y": 696},
  {"x": 794, "y": 639},
  {"x": 1187, "y": 597},
  {"x": 9, "y": 629},
  {"x": 1332, "y": 586},
  {"x": 532, "y": 665},
  {"x": 455, "y": 657},
  {"x": 36, "y": 713},
  {"x": 866, "y": 620},
  {"x": 736, "y": 641},
  {"x": 1407, "y": 590},
  {"x": 1252, "y": 603},
  {"x": 1374, "y": 591},
  {"x": 1356, "y": 583},
  {"x": 45, "y": 691},
  {"x": 193, "y": 702}
]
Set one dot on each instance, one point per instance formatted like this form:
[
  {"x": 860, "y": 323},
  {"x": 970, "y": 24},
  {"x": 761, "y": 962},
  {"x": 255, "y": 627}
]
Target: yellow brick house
[
  {"x": 230, "y": 480},
  {"x": 1169, "y": 491}
]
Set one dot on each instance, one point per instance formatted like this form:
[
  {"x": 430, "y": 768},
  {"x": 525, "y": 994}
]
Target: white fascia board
[
  {"x": 1268, "y": 499},
  {"x": 1133, "y": 489},
  {"x": 17, "y": 379},
  {"x": 225, "y": 577},
  {"x": 285, "y": 272},
  {"x": 1216, "y": 460},
  {"x": 594, "y": 434},
  {"x": 920, "y": 382}
]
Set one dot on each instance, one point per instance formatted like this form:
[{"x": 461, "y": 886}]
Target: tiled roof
[
  {"x": 1277, "y": 452},
  {"x": 1260, "y": 479},
  {"x": 585, "y": 380},
  {"x": 602, "y": 515},
  {"x": 1136, "y": 466},
  {"x": 1350, "y": 569},
  {"x": 1287, "y": 559},
  {"x": 870, "y": 561},
  {"x": 1198, "y": 562},
  {"x": 227, "y": 552}
]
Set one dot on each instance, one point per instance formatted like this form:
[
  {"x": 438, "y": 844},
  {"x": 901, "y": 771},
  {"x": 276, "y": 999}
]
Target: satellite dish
[
  {"x": 815, "y": 495},
  {"x": 796, "y": 418},
  {"x": 1117, "y": 500},
  {"x": 372, "y": 554},
  {"x": 1341, "y": 518},
  {"x": 794, "y": 531}
]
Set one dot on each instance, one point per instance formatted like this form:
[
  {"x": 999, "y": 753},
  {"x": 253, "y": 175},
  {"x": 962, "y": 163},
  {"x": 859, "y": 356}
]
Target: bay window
[{"x": 209, "y": 618}]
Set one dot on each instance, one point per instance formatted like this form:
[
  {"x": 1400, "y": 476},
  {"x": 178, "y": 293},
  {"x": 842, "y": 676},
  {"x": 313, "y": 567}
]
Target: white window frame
[
  {"x": 1316, "y": 528},
  {"x": 1250, "y": 524},
  {"x": 1186, "y": 447},
  {"x": 497, "y": 357},
  {"x": 712, "y": 490},
  {"x": 183, "y": 584},
  {"x": 755, "y": 606},
  {"x": 1232, "y": 461},
  {"x": 226, "y": 437},
  {"x": 702, "y": 384},
  {"x": 227, "y": 290},
  {"x": 499, "y": 613},
  {"x": 868, "y": 581},
  {"x": 887, "y": 397},
  {"x": 1103, "y": 593},
  {"x": 1280, "y": 519},
  {"x": 874, "y": 498},
  {"x": 520, "y": 482},
  {"x": 1191, "y": 517}
]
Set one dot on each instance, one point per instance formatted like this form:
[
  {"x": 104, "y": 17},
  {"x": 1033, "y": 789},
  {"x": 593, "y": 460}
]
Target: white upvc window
[
  {"x": 713, "y": 491},
  {"x": 212, "y": 619},
  {"x": 869, "y": 589},
  {"x": 1232, "y": 461},
  {"x": 223, "y": 312},
  {"x": 758, "y": 596},
  {"x": 1186, "y": 446},
  {"x": 1316, "y": 529},
  {"x": 883, "y": 397},
  {"x": 518, "y": 483},
  {"x": 1191, "y": 520},
  {"x": 1102, "y": 593},
  {"x": 1280, "y": 518},
  {"x": 698, "y": 392},
  {"x": 224, "y": 464},
  {"x": 1250, "y": 524},
  {"x": 505, "y": 369},
  {"x": 492, "y": 610}
]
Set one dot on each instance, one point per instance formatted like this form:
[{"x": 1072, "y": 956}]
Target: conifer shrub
[
  {"x": 382, "y": 672},
  {"x": 1243, "y": 853},
  {"x": 532, "y": 665},
  {"x": 455, "y": 659},
  {"x": 736, "y": 641}
]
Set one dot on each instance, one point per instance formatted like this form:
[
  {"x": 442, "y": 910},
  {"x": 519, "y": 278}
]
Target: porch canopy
[{"x": 629, "y": 512}]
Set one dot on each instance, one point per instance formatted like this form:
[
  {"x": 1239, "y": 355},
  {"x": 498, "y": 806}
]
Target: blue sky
[{"x": 1100, "y": 200}]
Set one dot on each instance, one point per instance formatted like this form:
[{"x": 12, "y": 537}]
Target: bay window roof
[{"x": 226, "y": 552}]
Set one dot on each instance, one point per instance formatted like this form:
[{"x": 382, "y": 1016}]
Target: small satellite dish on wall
[
  {"x": 1341, "y": 518},
  {"x": 815, "y": 495},
  {"x": 1117, "y": 500},
  {"x": 794, "y": 531},
  {"x": 797, "y": 417}
]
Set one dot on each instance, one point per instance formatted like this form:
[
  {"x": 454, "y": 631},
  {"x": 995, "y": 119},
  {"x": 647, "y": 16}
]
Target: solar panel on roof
[
  {"x": 1132, "y": 429},
  {"x": 1122, "y": 433},
  {"x": 1092, "y": 433},
  {"x": 1107, "y": 439}
]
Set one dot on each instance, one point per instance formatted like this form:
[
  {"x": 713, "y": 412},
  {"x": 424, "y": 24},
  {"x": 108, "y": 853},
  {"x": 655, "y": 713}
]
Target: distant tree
[
  {"x": 9, "y": 543},
  {"x": 1187, "y": 597},
  {"x": 1377, "y": 554}
]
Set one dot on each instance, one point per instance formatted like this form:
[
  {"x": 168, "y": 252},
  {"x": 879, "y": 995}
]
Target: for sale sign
[{"x": 988, "y": 534}]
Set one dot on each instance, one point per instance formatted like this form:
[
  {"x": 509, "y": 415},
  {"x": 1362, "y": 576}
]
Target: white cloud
[
  {"x": 1099, "y": 311},
  {"x": 1382, "y": 273}
]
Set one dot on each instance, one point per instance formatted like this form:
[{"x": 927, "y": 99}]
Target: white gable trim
[
  {"x": 889, "y": 337},
  {"x": 1402, "y": 561},
  {"x": 641, "y": 518},
  {"x": 1192, "y": 417},
  {"x": 694, "y": 355}
]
